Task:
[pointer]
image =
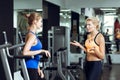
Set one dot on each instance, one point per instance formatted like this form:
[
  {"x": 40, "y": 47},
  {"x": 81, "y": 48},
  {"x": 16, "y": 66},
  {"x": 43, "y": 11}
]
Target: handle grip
[{"x": 5, "y": 37}]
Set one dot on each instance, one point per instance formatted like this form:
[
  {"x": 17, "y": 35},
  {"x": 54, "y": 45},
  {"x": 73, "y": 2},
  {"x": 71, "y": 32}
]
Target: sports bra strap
[
  {"x": 95, "y": 38},
  {"x": 32, "y": 32}
]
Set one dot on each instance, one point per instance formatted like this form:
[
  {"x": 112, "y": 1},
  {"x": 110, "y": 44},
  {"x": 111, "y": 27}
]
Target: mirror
[
  {"x": 22, "y": 12},
  {"x": 106, "y": 15},
  {"x": 70, "y": 19}
]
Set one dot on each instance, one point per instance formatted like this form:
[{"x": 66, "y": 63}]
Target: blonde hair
[{"x": 95, "y": 21}]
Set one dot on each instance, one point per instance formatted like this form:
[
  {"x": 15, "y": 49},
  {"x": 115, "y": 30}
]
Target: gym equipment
[
  {"x": 5, "y": 61},
  {"x": 60, "y": 69},
  {"x": 60, "y": 53},
  {"x": 5, "y": 53},
  {"x": 59, "y": 45},
  {"x": 58, "y": 36}
]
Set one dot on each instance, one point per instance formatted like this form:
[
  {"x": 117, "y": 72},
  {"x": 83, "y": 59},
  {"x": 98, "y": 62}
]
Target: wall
[
  {"x": 25, "y": 4},
  {"x": 89, "y": 12},
  {"x": 92, "y": 3},
  {"x": 6, "y": 24},
  {"x": 58, "y": 2},
  {"x": 51, "y": 18},
  {"x": 77, "y": 4},
  {"x": 68, "y": 4}
]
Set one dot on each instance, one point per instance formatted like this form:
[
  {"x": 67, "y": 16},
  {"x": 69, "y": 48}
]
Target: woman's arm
[
  {"x": 101, "y": 52},
  {"x": 40, "y": 72},
  {"x": 29, "y": 42},
  {"x": 75, "y": 43}
]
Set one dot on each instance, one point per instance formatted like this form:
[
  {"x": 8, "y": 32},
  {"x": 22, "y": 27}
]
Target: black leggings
[
  {"x": 33, "y": 74},
  {"x": 93, "y": 70},
  {"x": 117, "y": 44}
]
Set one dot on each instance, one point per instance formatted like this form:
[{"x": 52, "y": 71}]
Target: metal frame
[
  {"x": 51, "y": 40},
  {"x": 5, "y": 62}
]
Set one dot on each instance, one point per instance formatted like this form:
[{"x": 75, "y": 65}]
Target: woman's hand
[
  {"x": 47, "y": 53},
  {"x": 40, "y": 72},
  {"x": 75, "y": 43},
  {"x": 93, "y": 50}
]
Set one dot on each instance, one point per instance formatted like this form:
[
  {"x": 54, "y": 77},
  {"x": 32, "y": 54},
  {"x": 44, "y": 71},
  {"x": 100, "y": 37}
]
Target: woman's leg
[
  {"x": 33, "y": 74},
  {"x": 117, "y": 44},
  {"x": 87, "y": 70},
  {"x": 96, "y": 71},
  {"x": 93, "y": 70}
]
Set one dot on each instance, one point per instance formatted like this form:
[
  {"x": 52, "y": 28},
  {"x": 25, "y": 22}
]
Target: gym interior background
[{"x": 68, "y": 13}]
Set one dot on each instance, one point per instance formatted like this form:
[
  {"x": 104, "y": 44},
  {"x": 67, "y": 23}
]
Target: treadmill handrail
[
  {"x": 22, "y": 56},
  {"x": 16, "y": 46},
  {"x": 5, "y": 45},
  {"x": 62, "y": 49}
]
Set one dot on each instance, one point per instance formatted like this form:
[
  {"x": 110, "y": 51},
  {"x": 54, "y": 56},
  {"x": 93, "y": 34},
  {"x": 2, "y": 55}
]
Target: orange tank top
[
  {"x": 117, "y": 34},
  {"x": 90, "y": 43}
]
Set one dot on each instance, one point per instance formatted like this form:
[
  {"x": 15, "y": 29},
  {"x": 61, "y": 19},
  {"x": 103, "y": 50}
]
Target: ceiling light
[
  {"x": 38, "y": 9},
  {"x": 109, "y": 9},
  {"x": 65, "y": 10}
]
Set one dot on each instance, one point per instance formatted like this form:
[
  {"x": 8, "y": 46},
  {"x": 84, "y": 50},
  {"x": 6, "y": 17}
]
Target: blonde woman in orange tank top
[{"x": 94, "y": 49}]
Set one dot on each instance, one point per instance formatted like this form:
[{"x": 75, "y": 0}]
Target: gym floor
[
  {"x": 109, "y": 73},
  {"x": 112, "y": 73}
]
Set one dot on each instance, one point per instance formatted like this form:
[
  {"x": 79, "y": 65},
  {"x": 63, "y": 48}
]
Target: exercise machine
[
  {"x": 58, "y": 39},
  {"x": 4, "y": 49}
]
